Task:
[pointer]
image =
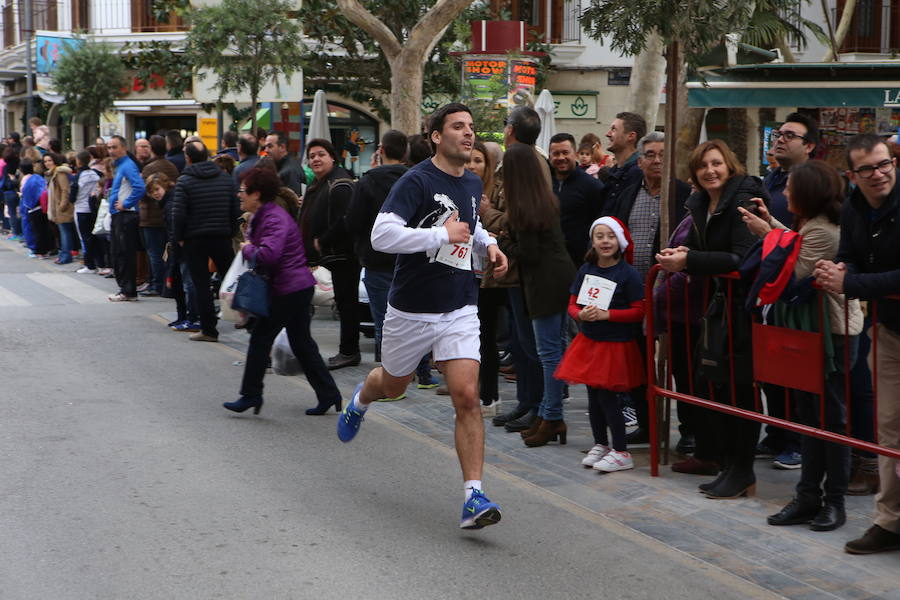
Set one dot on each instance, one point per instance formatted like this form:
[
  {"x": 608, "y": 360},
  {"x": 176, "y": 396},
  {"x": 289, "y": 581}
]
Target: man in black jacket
[
  {"x": 204, "y": 214},
  {"x": 579, "y": 194},
  {"x": 175, "y": 150},
  {"x": 867, "y": 266},
  {"x": 624, "y": 133},
  {"x": 370, "y": 193},
  {"x": 289, "y": 170}
]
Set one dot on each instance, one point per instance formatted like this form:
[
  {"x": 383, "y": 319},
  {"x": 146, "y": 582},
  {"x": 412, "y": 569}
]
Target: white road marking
[
  {"x": 8, "y": 298},
  {"x": 70, "y": 287}
]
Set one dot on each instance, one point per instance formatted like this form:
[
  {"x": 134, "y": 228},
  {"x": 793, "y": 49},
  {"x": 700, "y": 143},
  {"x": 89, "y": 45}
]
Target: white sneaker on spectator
[
  {"x": 594, "y": 455},
  {"x": 85, "y": 270},
  {"x": 614, "y": 461},
  {"x": 630, "y": 416},
  {"x": 490, "y": 410}
]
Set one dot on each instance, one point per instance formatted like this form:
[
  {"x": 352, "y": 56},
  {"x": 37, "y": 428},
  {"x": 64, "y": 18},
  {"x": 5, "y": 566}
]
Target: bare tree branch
[
  {"x": 842, "y": 29},
  {"x": 362, "y": 18},
  {"x": 434, "y": 21}
]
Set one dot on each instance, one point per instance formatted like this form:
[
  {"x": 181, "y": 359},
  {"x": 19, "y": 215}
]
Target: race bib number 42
[
  {"x": 596, "y": 291},
  {"x": 458, "y": 256}
]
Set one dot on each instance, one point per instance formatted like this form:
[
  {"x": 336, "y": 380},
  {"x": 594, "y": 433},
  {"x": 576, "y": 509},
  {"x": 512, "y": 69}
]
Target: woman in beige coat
[
  {"x": 814, "y": 192},
  {"x": 60, "y": 209}
]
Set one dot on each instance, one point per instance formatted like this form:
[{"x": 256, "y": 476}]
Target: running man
[{"x": 430, "y": 220}]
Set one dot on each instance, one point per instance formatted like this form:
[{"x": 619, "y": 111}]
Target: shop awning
[
  {"x": 869, "y": 85},
  {"x": 724, "y": 97},
  {"x": 263, "y": 119}
]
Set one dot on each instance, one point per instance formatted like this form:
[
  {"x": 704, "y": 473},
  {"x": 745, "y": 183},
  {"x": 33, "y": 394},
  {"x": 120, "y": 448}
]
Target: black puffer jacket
[
  {"x": 371, "y": 192},
  {"x": 205, "y": 203},
  {"x": 718, "y": 245}
]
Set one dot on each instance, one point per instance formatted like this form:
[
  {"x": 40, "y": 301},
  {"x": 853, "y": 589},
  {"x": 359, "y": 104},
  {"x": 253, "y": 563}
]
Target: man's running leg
[
  {"x": 378, "y": 384},
  {"x": 462, "y": 382}
]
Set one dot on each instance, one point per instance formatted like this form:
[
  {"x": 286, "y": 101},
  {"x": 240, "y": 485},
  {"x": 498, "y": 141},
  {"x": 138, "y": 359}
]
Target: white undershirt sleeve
[
  {"x": 391, "y": 235},
  {"x": 481, "y": 240}
]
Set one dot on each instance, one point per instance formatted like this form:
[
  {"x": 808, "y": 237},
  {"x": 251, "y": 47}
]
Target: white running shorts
[{"x": 405, "y": 341}]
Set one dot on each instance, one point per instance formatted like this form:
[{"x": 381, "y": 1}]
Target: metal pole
[
  {"x": 220, "y": 128},
  {"x": 29, "y": 72}
]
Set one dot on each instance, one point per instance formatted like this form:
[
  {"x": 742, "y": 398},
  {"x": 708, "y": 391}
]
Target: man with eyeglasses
[
  {"x": 289, "y": 170},
  {"x": 867, "y": 266},
  {"x": 792, "y": 144}
]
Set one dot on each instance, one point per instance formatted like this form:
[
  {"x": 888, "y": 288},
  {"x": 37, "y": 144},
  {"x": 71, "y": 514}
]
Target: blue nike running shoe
[
  {"x": 350, "y": 419},
  {"x": 479, "y": 512}
]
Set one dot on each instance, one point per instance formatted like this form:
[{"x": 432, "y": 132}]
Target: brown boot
[
  {"x": 864, "y": 480},
  {"x": 548, "y": 432},
  {"x": 533, "y": 429}
]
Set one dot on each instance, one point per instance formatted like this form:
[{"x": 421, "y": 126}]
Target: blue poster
[{"x": 50, "y": 50}]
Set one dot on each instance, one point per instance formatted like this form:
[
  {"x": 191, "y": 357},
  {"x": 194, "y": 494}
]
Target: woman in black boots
[{"x": 716, "y": 246}]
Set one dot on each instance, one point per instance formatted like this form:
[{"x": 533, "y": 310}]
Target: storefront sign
[
  {"x": 484, "y": 76},
  {"x": 495, "y": 77},
  {"x": 575, "y": 105}
]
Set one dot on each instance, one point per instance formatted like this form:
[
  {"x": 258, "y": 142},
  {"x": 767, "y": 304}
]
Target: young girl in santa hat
[{"x": 605, "y": 355}]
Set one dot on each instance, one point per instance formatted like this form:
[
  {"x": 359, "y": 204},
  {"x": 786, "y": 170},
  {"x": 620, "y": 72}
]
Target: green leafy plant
[
  {"x": 90, "y": 76},
  {"x": 246, "y": 43},
  {"x": 159, "y": 63}
]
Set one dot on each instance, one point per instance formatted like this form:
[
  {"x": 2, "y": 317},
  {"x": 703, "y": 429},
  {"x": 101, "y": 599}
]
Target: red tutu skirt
[{"x": 615, "y": 366}]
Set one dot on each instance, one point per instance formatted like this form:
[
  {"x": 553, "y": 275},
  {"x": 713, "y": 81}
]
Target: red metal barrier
[{"x": 789, "y": 358}]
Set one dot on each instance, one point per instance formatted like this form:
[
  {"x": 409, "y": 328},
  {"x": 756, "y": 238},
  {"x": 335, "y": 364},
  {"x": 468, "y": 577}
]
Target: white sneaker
[
  {"x": 490, "y": 410},
  {"x": 85, "y": 270},
  {"x": 614, "y": 461},
  {"x": 594, "y": 455}
]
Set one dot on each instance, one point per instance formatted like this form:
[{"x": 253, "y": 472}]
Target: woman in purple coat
[{"x": 276, "y": 245}]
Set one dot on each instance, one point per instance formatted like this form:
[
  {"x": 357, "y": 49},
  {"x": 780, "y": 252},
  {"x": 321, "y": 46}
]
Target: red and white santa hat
[{"x": 626, "y": 247}]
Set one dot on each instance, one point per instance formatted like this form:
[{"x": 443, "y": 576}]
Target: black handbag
[
  {"x": 713, "y": 346},
  {"x": 251, "y": 294}
]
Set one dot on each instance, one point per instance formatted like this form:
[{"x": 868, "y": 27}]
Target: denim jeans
[
  {"x": 378, "y": 284},
  {"x": 67, "y": 237},
  {"x": 529, "y": 376},
  {"x": 549, "y": 334},
  {"x": 155, "y": 242},
  {"x": 11, "y": 199}
]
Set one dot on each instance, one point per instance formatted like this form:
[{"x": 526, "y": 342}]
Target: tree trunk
[
  {"x": 842, "y": 29},
  {"x": 407, "y": 77},
  {"x": 253, "y": 118},
  {"x": 689, "y": 126},
  {"x": 647, "y": 78},
  {"x": 737, "y": 132},
  {"x": 406, "y": 58}
]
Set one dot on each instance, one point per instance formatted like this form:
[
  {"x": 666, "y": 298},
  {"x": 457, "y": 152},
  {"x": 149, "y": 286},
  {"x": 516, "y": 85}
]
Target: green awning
[
  {"x": 263, "y": 119},
  {"x": 762, "y": 96}
]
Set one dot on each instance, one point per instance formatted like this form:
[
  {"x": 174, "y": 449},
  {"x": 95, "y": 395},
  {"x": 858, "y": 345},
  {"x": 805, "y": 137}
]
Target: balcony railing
[{"x": 143, "y": 20}]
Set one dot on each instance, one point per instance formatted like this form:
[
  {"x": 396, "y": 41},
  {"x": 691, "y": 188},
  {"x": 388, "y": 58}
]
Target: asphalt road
[{"x": 122, "y": 477}]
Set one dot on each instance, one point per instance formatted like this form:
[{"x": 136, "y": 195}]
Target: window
[
  {"x": 80, "y": 15},
  {"x": 9, "y": 25}
]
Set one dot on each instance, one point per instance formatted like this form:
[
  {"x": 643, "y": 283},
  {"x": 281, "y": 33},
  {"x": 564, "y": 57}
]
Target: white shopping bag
[
  {"x": 283, "y": 360},
  {"x": 323, "y": 295},
  {"x": 226, "y": 290}
]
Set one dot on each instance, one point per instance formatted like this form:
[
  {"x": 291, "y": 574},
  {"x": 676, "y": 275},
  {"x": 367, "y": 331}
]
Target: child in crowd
[
  {"x": 586, "y": 159},
  {"x": 605, "y": 355}
]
